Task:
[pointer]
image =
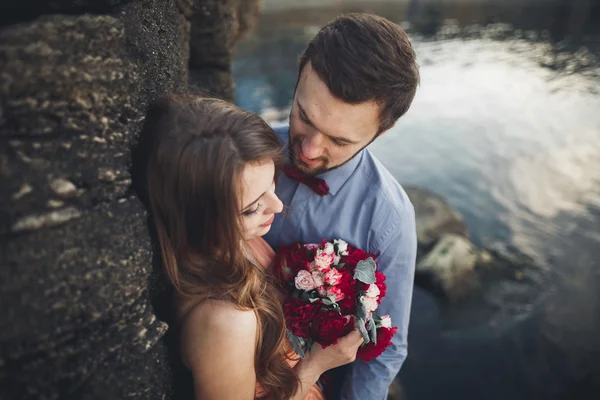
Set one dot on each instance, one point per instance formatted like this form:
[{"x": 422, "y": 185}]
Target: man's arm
[{"x": 398, "y": 246}]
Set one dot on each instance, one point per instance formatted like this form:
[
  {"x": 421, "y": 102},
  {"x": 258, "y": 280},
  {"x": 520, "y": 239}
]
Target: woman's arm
[
  {"x": 218, "y": 345},
  {"x": 320, "y": 360}
]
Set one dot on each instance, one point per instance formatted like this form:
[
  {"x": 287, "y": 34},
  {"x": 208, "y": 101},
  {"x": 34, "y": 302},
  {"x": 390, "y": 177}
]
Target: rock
[
  {"x": 25, "y": 189},
  {"x": 78, "y": 300},
  {"x": 46, "y": 220},
  {"x": 451, "y": 265},
  {"x": 434, "y": 217},
  {"x": 216, "y": 28},
  {"x": 78, "y": 286},
  {"x": 64, "y": 188}
]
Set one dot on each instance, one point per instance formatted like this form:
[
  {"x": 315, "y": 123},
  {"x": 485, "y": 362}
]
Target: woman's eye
[{"x": 248, "y": 213}]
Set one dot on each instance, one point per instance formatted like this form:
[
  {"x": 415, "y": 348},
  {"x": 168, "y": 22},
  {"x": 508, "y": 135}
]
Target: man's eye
[{"x": 338, "y": 143}]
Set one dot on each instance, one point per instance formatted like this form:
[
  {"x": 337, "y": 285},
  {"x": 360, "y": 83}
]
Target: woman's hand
[{"x": 341, "y": 353}]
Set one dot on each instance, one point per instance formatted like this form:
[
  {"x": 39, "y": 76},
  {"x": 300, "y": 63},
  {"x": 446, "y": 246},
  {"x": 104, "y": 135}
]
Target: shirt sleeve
[{"x": 396, "y": 249}]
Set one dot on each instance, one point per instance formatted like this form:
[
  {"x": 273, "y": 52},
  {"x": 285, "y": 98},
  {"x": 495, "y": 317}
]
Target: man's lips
[{"x": 305, "y": 160}]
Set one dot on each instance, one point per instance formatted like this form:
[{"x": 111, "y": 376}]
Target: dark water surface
[{"x": 506, "y": 127}]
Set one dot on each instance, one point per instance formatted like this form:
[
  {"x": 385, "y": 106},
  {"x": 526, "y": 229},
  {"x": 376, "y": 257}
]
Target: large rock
[
  {"x": 434, "y": 217},
  {"x": 77, "y": 286},
  {"x": 451, "y": 265},
  {"x": 217, "y": 26}
]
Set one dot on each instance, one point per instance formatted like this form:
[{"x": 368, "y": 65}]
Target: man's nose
[{"x": 312, "y": 145}]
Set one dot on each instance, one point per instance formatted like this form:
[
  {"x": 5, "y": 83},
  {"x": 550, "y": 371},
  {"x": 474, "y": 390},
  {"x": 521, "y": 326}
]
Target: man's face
[{"x": 325, "y": 132}]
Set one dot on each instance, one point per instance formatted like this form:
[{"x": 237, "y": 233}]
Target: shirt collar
[{"x": 336, "y": 177}]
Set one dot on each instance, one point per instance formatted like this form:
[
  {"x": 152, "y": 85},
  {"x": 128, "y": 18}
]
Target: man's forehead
[{"x": 332, "y": 115}]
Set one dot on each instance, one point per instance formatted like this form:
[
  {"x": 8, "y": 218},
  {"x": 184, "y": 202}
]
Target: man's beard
[
  {"x": 301, "y": 165},
  {"x": 324, "y": 167}
]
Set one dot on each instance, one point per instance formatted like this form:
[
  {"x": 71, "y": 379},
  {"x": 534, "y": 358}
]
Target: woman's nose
[{"x": 275, "y": 205}]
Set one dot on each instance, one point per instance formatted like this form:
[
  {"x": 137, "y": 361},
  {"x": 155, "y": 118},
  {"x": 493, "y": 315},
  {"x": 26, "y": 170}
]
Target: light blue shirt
[{"x": 367, "y": 208}]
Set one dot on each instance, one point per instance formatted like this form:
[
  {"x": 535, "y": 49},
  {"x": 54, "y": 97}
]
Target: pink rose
[
  {"x": 333, "y": 277},
  {"x": 304, "y": 281},
  {"x": 369, "y": 303},
  {"x": 318, "y": 278},
  {"x": 322, "y": 291},
  {"x": 323, "y": 261},
  {"x": 337, "y": 292},
  {"x": 373, "y": 291}
]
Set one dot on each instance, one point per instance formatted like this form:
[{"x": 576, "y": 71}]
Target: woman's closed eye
[{"x": 249, "y": 213}]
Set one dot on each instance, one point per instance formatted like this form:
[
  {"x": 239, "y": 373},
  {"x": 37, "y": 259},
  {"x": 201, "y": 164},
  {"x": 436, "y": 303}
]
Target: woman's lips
[{"x": 269, "y": 222}]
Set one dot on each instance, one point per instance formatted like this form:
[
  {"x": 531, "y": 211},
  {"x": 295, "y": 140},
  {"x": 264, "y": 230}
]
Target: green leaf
[
  {"x": 372, "y": 330},
  {"x": 365, "y": 271},
  {"x": 296, "y": 343},
  {"x": 308, "y": 344},
  {"x": 328, "y": 300},
  {"x": 363, "y": 331},
  {"x": 313, "y": 299},
  {"x": 340, "y": 265},
  {"x": 361, "y": 311}
]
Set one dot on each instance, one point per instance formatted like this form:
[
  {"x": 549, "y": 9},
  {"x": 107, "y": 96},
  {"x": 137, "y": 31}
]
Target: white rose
[
  {"x": 342, "y": 247},
  {"x": 386, "y": 321},
  {"x": 369, "y": 303},
  {"x": 318, "y": 278},
  {"x": 328, "y": 249},
  {"x": 373, "y": 291},
  {"x": 304, "y": 281}
]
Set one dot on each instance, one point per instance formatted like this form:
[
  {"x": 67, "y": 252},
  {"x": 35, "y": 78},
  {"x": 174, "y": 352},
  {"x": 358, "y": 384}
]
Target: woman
[{"x": 211, "y": 179}]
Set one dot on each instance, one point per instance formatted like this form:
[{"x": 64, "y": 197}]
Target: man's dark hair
[{"x": 364, "y": 57}]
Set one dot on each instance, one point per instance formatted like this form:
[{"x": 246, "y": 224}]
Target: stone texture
[
  {"x": 78, "y": 281},
  {"x": 434, "y": 217},
  {"x": 451, "y": 264},
  {"x": 216, "y": 28}
]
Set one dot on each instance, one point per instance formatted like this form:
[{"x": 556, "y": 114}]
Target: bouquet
[{"x": 330, "y": 288}]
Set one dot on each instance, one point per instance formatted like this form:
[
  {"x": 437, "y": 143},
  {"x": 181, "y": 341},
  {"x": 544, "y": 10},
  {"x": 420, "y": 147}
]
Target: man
[{"x": 357, "y": 77}]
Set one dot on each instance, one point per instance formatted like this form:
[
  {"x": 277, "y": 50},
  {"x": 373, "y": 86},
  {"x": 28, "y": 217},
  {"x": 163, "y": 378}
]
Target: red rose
[
  {"x": 348, "y": 286},
  {"x": 299, "y": 314},
  {"x": 371, "y": 350},
  {"x": 355, "y": 255},
  {"x": 380, "y": 282},
  {"x": 328, "y": 326}
]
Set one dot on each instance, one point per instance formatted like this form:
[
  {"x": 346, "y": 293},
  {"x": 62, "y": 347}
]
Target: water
[{"x": 506, "y": 127}]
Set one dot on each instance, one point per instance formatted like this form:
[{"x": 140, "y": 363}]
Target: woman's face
[{"x": 259, "y": 201}]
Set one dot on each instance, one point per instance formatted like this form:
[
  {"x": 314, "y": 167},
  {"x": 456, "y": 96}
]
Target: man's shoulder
[{"x": 380, "y": 185}]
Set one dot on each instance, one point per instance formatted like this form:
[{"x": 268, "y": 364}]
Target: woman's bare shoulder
[{"x": 215, "y": 321}]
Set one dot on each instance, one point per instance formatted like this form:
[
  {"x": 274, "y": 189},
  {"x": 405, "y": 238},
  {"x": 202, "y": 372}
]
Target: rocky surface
[
  {"x": 77, "y": 286},
  {"x": 452, "y": 267},
  {"x": 435, "y": 217},
  {"x": 451, "y": 263}
]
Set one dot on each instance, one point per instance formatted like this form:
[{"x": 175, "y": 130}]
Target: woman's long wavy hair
[{"x": 200, "y": 149}]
